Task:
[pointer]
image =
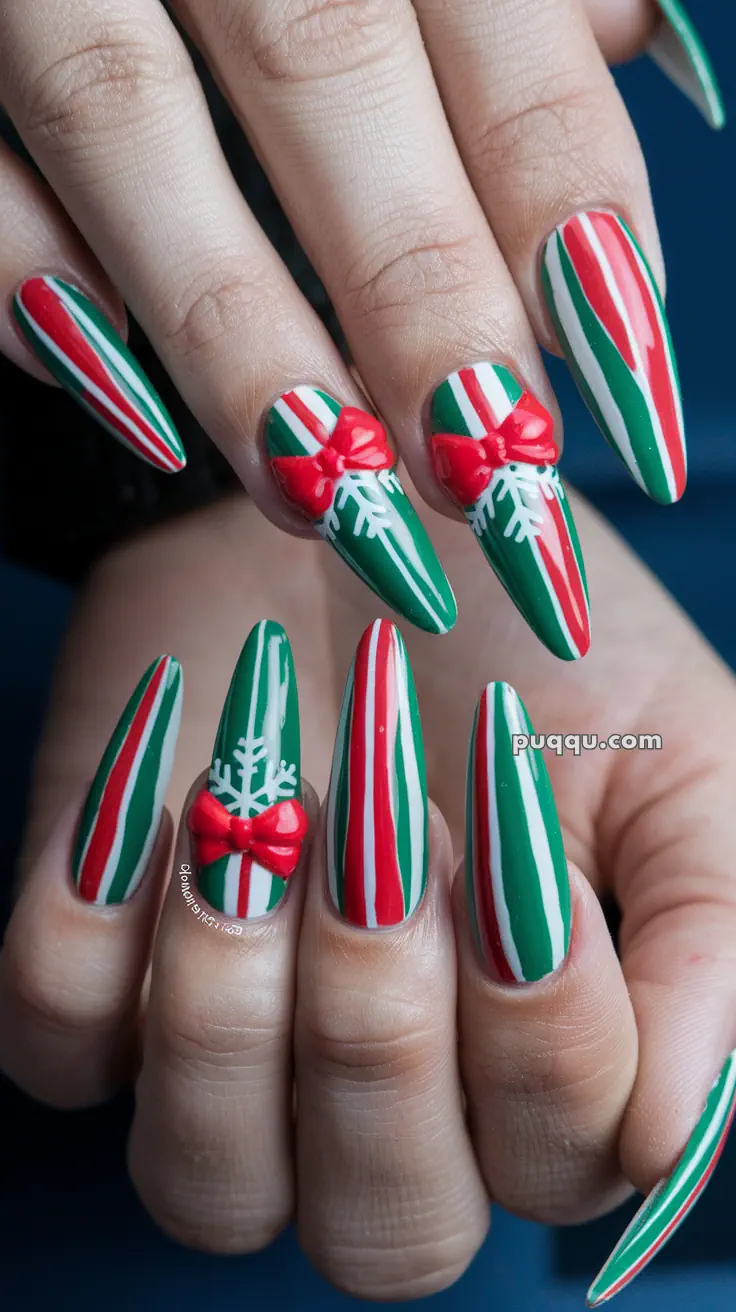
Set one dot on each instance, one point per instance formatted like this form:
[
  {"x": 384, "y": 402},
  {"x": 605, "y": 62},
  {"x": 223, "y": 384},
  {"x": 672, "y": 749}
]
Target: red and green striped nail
[
  {"x": 377, "y": 813},
  {"x": 122, "y": 813},
  {"x": 494, "y": 451},
  {"x": 515, "y": 869},
  {"x": 333, "y": 463},
  {"x": 83, "y": 352},
  {"x": 611, "y": 324},
  {"x": 670, "y": 1201},
  {"x": 248, "y": 825},
  {"x": 678, "y": 50}
]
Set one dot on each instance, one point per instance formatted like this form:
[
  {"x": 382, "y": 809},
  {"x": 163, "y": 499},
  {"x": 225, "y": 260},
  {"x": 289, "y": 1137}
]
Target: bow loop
[
  {"x": 358, "y": 441},
  {"x": 273, "y": 838},
  {"x": 466, "y": 465}
]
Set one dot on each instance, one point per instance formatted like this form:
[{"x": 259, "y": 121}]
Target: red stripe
[
  {"x": 478, "y": 399},
  {"x": 390, "y": 909},
  {"x": 244, "y": 886},
  {"x": 560, "y": 563},
  {"x": 47, "y": 309},
  {"x": 485, "y": 909},
  {"x": 593, "y": 282},
  {"x": 353, "y": 892},
  {"x": 307, "y": 416},
  {"x": 106, "y": 821}
]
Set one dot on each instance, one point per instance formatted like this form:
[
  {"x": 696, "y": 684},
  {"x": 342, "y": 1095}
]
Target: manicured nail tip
[
  {"x": 122, "y": 813},
  {"x": 678, "y": 50},
  {"x": 377, "y": 814},
  {"x": 670, "y": 1201},
  {"x": 515, "y": 868},
  {"x": 495, "y": 453},
  {"x": 82, "y": 351},
  {"x": 611, "y": 324},
  {"x": 333, "y": 463},
  {"x": 248, "y": 826}
]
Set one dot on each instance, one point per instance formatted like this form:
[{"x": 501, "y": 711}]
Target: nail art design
[
  {"x": 678, "y": 50},
  {"x": 494, "y": 451},
  {"x": 377, "y": 813},
  {"x": 611, "y": 324},
  {"x": 122, "y": 813},
  {"x": 515, "y": 868},
  {"x": 333, "y": 463},
  {"x": 81, "y": 349},
  {"x": 248, "y": 825},
  {"x": 670, "y": 1201}
]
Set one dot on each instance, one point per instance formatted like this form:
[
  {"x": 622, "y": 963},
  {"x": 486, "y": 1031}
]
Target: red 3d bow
[
  {"x": 466, "y": 465},
  {"x": 358, "y": 441},
  {"x": 273, "y": 838}
]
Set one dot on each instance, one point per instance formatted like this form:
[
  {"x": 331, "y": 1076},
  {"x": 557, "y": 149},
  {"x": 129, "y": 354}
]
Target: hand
[
  {"x": 424, "y": 154},
  {"x": 564, "y": 1079}
]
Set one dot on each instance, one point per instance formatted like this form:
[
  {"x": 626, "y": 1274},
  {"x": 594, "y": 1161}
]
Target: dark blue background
[{"x": 72, "y": 1235}]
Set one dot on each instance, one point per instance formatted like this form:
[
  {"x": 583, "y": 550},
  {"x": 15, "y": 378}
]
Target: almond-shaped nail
[
  {"x": 611, "y": 324},
  {"x": 333, "y": 462},
  {"x": 122, "y": 813},
  {"x": 494, "y": 451},
  {"x": 248, "y": 824},
  {"x": 679, "y": 51},
  {"x": 82, "y": 351},
  {"x": 673, "y": 1197},
  {"x": 515, "y": 869},
  {"x": 377, "y": 813}
]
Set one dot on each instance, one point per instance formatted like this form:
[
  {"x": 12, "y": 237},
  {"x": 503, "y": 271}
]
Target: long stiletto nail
[
  {"x": 81, "y": 349},
  {"x": 682, "y": 57},
  {"x": 377, "y": 804},
  {"x": 494, "y": 451},
  {"x": 670, "y": 1201},
  {"x": 248, "y": 824},
  {"x": 611, "y": 324},
  {"x": 333, "y": 463},
  {"x": 122, "y": 813},
  {"x": 515, "y": 868}
]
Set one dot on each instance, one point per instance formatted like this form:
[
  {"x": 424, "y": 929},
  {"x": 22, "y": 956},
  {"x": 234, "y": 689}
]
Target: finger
[
  {"x": 555, "y": 161},
  {"x": 414, "y": 273},
  {"x": 390, "y": 1201},
  {"x": 547, "y": 1034},
  {"x": 78, "y": 943},
  {"x": 211, "y": 1144},
  {"x": 112, "y": 111},
  {"x": 622, "y": 28}
]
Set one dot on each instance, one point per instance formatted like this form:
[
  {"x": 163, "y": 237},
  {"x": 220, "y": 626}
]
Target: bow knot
[
  {"x": 358, "y": 441},
  {"x": 273, "y": 838},
  {"x": 466, "y": 465}
]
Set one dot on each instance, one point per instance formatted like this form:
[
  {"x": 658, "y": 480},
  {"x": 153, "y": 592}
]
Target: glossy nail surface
[
  {"x": 494, "y": 452},
  {"x": 515, "y": 868},
  {"x": 682, "y": 57},
  {"x": 334, "y": 464},
  {"x": 248, "y": 825},
  {"x": 377, "y": 813},
  {"x": 122, "y": 813},
  {"x": 670, "y": 1201},
  {"x": 81, "y": 349},
  {"x": 610, "y": 322}
]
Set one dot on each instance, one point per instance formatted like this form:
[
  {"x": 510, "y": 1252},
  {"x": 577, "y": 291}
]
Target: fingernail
[
  {"x": 611, "y": 324},
  {"x": 515, "y": 868},
  {"x": 494, "y": 451},
  {"x": 377, "y": 813},
  {"x": 670, "y": 1201},
  {"x": 682, "y": 57},
  {"x": 333, "y": 463},
  {"x": 248, "y": 824},
  {"x": 81, "y": 349},
  {"x": 122, "y": 813}
]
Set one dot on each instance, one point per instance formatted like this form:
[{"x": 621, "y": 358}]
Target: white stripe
[
  {"x": 586, "y": 359},
  {"x": 337, "y": 763},
  {"x": 259, "y": 891},
  {"x": 471, "y": 418},
  {"x": 231, "y": 885},
  {"x": 253, "y": 703},
  {"x": 320, "y": 410},
  {"x": 277, "y": 693},
  {"x": 494, "y": 391},
  {"x": 494, "y": 834},
  {"x": 319, "y": 407},
  {"x": 156, "y": 460},
  {"x": 537, "y": 830},
  {"x": 556, "y": 606},
  {"x": 414, "y": 791},
  {"x": 369, "y": 832},
  {"x": 674, "y": 387},
  {"x": 231, "y": 881},
  {"x": 166, "y": 765},
  {"x": 678, "y": 51}
]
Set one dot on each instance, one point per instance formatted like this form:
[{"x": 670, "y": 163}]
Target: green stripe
[
  {"x": 342, "y": 796},
  {"x": 469, "y": 837},
  {"x": 445, "y": 414}
]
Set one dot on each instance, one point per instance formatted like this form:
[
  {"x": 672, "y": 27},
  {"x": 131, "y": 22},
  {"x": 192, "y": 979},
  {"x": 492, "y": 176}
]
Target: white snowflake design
[
  {"x": 524, "y": 488},
  {"x": 279, "y": 780},
  {"x": 372, "y": 517}
]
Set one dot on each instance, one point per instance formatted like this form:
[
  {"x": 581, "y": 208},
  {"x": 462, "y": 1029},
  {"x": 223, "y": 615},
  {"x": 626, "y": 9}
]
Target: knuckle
[
  {"x": 215, "y": 305},
  {"x": 388, "y": 284},
  {"x": 383, "y": 1036},
  {"x": 304, "y": 40},
  {"x": 236, "y": 1030},
  {"x": 43, "y": 1003}
]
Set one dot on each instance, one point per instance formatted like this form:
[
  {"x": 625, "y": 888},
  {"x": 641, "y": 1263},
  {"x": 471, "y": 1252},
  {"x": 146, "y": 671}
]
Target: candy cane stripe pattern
[
  {"x": 80, "y": 348},
  {"x": 515, "y": 868},
  {"x": 521, "y": 517},
  {"x": 122, "y": 813},
  {"x": 358, "y": 505},
  {"x": 678, "y": 50},
  {"x": 377, "y": 812},
  {"x": 611, "y": 324},
  {"x": 670, "y": 1201},
  {"x": 255, "y": 766}
]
